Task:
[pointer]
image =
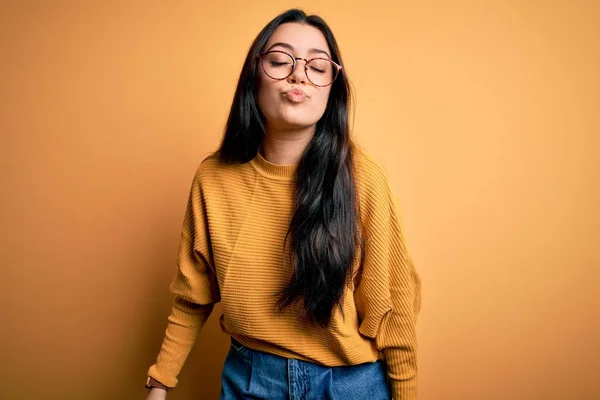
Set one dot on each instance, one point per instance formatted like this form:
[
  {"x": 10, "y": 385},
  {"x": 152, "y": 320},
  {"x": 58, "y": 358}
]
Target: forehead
[{"x": 301, "y": 37}]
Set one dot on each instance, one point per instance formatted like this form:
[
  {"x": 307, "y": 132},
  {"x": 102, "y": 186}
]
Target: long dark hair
[{"x": 323, "y": 234}]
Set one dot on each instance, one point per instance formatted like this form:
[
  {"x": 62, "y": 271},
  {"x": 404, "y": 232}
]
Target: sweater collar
[{"x": 275, "y": 171}]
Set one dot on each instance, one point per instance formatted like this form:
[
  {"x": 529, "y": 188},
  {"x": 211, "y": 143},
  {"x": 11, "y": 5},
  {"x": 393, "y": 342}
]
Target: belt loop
[{"x": 292, "y": 389}]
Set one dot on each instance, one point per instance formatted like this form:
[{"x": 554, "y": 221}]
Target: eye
[{"x": 320, "y": 71}]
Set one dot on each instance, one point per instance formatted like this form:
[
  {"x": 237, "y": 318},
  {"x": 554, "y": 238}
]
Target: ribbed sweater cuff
[
  {"x": 153, "y": 372},
  {"x": 404, "y": 390}
]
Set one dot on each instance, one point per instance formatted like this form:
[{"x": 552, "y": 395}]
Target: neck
[{"x": 285, "y": 147}]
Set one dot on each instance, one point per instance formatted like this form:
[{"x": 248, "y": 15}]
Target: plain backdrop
[{"x": 485, "y": 115}]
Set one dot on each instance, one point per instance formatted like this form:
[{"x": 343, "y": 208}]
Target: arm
[
  {"x": 195, "y": 288},
  {"x": 389, "y": 291}
]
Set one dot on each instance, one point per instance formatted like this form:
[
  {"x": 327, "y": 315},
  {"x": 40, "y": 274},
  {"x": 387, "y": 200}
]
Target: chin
[
  {"x": 296, "y": 124},
  {"x": 297, "y": 120}
]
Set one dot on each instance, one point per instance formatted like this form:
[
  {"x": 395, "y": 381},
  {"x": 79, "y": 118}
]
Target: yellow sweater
[{"x": 231, "y": 251}]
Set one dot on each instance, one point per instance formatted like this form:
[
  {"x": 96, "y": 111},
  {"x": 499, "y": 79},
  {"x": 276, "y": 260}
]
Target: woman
[{"x": 292, "y": 227}]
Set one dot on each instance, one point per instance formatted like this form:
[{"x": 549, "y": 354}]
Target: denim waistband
[{"x": 268, "y": 376}]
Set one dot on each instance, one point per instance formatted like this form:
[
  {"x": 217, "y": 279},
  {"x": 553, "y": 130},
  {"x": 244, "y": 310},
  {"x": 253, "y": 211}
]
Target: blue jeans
[{"x": 254, "y": 375}]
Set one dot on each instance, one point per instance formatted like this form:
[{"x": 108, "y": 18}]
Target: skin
[
  {"x": 156, "y": 394},
  {"x": 290, "y": 126}
]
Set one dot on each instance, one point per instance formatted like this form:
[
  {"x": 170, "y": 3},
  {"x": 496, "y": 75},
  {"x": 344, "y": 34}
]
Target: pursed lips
[{"x": 296, "y": 95}]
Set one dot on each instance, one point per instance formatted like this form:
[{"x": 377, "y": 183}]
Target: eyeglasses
[{"x": 279, "y": 65}]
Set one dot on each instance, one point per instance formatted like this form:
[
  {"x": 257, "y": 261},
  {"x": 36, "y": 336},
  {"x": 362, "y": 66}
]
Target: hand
[{"x": 156, "y": 394}]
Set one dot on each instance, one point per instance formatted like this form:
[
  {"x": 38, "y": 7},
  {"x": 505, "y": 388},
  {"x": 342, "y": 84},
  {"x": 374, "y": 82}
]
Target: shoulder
[
  {"x": 371, "y": 179},
  {"x": 377, "y": 202},
  {"x": 210, "y": 165},
  {"x": 212, "y": 170}
]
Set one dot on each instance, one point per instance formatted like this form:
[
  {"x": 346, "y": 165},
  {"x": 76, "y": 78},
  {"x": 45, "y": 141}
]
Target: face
[{"x": 288, "y": 111}]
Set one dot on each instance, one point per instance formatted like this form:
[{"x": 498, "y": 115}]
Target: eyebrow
[{"x": 290, "y": 47}]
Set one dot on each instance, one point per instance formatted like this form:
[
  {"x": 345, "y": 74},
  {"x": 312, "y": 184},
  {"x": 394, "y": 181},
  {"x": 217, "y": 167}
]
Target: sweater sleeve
[
  {"x": 195, "y": 290},
  {"x": 388, "y": 294}
]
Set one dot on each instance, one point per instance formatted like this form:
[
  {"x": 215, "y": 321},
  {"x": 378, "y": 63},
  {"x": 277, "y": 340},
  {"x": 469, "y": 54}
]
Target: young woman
[{"x": 293, "y": 228}]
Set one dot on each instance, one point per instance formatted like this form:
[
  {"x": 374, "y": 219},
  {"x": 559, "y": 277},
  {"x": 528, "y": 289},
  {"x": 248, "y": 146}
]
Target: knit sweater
[{"x": 231, "y": 250}]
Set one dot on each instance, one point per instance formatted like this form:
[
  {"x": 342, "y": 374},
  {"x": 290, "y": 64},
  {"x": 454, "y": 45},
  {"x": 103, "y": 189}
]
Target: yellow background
[{"x": 484, "y": 114}]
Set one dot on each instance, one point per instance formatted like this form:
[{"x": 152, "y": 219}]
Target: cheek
[
  {"x": 266, "y": 94},
  {"x": 322, "y": 100},
  {"x": 319, "y": 104}
]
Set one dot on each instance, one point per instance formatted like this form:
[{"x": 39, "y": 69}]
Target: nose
[{"x": 299, "y": 74}]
